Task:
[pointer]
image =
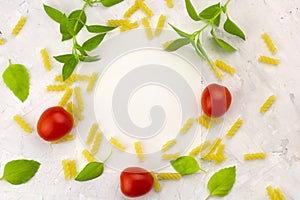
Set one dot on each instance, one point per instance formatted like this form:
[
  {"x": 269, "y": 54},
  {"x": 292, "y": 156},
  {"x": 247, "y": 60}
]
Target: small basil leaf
[
  {"x": 210, "y": 12},
  {"x": 93, "y": 42},
  {"x": 89, "y": 58},
  {"x": 76, "y": 21},
  {"x": 64, "y": 30},
  {"x": 178, "y": 43},
  {"x": 222, "y": 182},
  {"x": 16, "y": 78},
  {"x": 109, "y": 3},
  {"x": 81, "y": 50},
  {"x": 90, "y": 171},
  {"x": 181, "y": 33},
  {"x": 217, "y": 20},
  {"x": 69, "y": 67},
  {"x": 232, "y": 28},
  {"x": 18, "y": 172},
  {"x": 186, "y": 165},
  {"x": 222, "y": 43},
  {"x": 54, "y": 14},
  {"x": 99, "y": 28},
  {"x": 63, "y": 58},
  {"x": 191, "y": 10}
]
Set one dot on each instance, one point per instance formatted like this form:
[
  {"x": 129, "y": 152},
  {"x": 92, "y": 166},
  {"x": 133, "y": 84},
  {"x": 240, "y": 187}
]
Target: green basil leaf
[
  {"x": 81, "y": 50},
  {"x": 222, "y": 43},
  {"x": 99, "y": 28},
  {"x": 89, "y": 58},
  {"x": 63, "y": 58},
  {"x": 54, "y": 14},
  {"x": 232, "y": 28},
  {"x": 217, "y": 20},
  {"x": 76, "y": 21},
  {"x": 178, "y": 43},
  {"x": 90, "y": 171},
  {"x": 93, "y": 42},
  {"x": 16, "y": 78},
  {"x": 109, "y": 3},
  {"x": 221, "y": 182},
  {"x": 191, "y": 10},
  {"x": 64, "y": 30},
  {"x": 181, "y": 33},
  {"x": 186, "y": 165},
  {"x": 18, "y": 172},
  {"x": 210, "y": 12},
  {"x": 69, "y": 67}
]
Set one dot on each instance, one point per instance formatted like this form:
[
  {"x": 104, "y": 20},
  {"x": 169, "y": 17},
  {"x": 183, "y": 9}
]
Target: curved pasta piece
[{"x": 24, "y": 125}]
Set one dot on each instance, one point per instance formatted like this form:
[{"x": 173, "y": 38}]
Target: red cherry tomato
[
  {"x": 215, "y": 100},
  {"x": 54, "y": 123},
  {"x": 135, "y": 181}
]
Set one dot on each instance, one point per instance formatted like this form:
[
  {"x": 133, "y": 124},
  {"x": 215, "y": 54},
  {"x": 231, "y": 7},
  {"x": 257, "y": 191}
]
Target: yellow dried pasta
[
  {"x": 171, "y": 156},
  {"x": 97, "y": 142},
  {"x": 46, "y": 59},
  {"x": 271, "y": 192},
  {"x": 143, "y": 6},
  {"x": 255, "y": 156},
  {"x": 57, "y": 88},
  {"x": 186, "y": 127},
  {"x": 268, "y": 60},
  {"x": 69, "y": 80},
  {"x": 168, "y": 176},
  {"x": 267, "y": 104},
  {"x": 139, "y": 150},
  {"x": 117, "y": 144},
  {"x": 213, "y": 147},
  {"x": 65, "y": 98},
  {"x": 88, "y": 156},
  {"x": 92, "y": 82},
  {"x": 117, "y": 22},
  {"x": 170, "y": 3},
  {"x": 128, "y": 26},
  {"x": 92, "y": 133},
  {"x": 216, "y": 71},
  {"x": 269, "y": 43},
  {"x": 168, "y": 145},
  {"x": 66, "y": 168},
  {"x": 225, "y": 67},
  {"x": 131, "y": 10},
  {"x": 2, "y": 41},
  {"x": 160, "y": 24},
  {"x": 147, "y": 28},
  {"x": 81, "y": 77},
  {"x": 18, "y": 27},
  {"x": 237, "y": 124},
  {"x": 73, "y": 168},
  {"x": 204, "y": 122},
  {"x": 220, "y": 149},
  {"x": 274, "y": 193},
  {"x": 215, "y": 157},
  {"x": 78, "y": 97},
  {"x": 77, "y": 113},
  {"x": 70, "y": 110},
  {"x": 156, "y": 184},
  {"x": 195, "y": 151},
  {"x": 279, "y": 194},
  {"x": 21, "y": 122},
  {"x": 68, "y": 137}
]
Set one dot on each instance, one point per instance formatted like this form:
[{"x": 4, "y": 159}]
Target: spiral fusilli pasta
[
  {"x": 92, "y": 82},
  {"x": 170, "y": 3},
  {"x": 274, "y": 193},
  {"x": 156, "y": 184},
  {"x": 73, "y": 168},
  {"x": 216, "y": 158},
  {"x": 56, "y": 88},
  {"x": 68, "y": 81},
  {"x": 78, "y": 97},
  {"x": 131, "y": 10},
  {"x": 223, "y": 66},
  {"x": 204, "y": 122},
  {"x": 160, "y": 25},
  {"x": 195, "y": 151},
  {"x": 81, "y": 77},
  {"x": 139, "y": 150},
  {"x": 237, "y": 124},
  {"x": 97, "y": 142},
  {"x": 171, "y": 156},
  {"x": 91, "y": 134},
  {"x": 21, "y": 122},
  {"x": 70, "y": 110},
  {"x": 65, "y": 98},
  {"x": 128, "y": 26},
  {"x": 143, "y": 6},
  {"x": 117, "y": 144},
  {"x": 168, "y": 176},
  {"x": 212, "y": 119},
  {"x": 88, "y": 156},
  {"x": 217, "y": 72},
  {"x": 267, "y": 104},
  {"x": 268, "y": 60},
  {"x": 66, "y": 168},
  {"x": 18, "y": 27},
  {"x": 255, "y": 156},
  {"x": 68, "y": 137},
  {"x": 168, "y": 145},
  {"x": 77, "y": 113},
  {"x": 279, "y": 194},
  {"x": 220, "y": 149},
  {"x": 213, "y": 147},
  {"x": 269, "y": 43},
  {"x": 2, "y": 41},
  {"x": 186, "y": 127},
  {"x": 117, "y": 22},
  {"x": 147, "y": 28},
  {"x": 46, "y": 59}
]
